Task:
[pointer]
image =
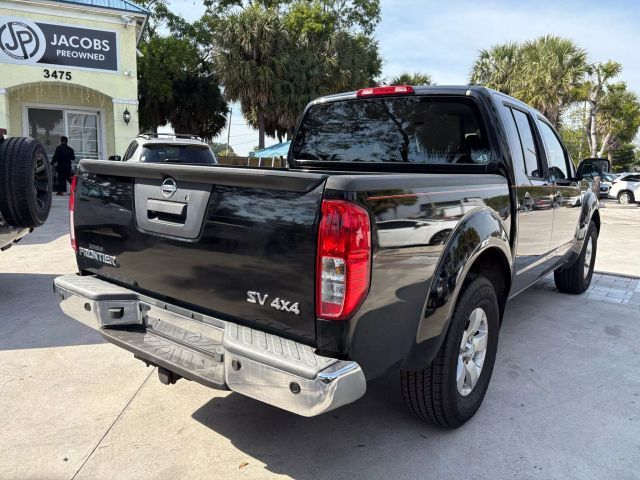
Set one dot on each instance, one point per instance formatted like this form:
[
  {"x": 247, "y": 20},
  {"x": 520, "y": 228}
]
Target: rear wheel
[
  {"x": 25, "y": 182},
  {"x": 625, "y": 198},
  {"x": 576, "y": 278},
  {"x": 450, "y": 390}
]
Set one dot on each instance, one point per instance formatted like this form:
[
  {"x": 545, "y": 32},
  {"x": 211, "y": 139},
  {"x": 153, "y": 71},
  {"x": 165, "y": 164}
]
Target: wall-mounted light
[{"x": 126, "y": 116}]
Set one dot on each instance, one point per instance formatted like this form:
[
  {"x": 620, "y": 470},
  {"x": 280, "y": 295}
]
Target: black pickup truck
[
  {"x": 405, "y": 221},
  {"x": 25, "y": 188}
]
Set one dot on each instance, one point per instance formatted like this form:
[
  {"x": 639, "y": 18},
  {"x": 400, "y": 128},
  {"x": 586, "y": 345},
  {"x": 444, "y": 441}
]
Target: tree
[
  {"x": 573, "y": 132},
  {"x": 329, "y": 51},
  {"x": 626, "y": 158},
  {"x": 618, "y": 118},
  {"x": 221, "y": 150},
  {"x": 594, "y": 90},
  {"x": 248, "y": 53},
  {"x": 498, "y": 67},
  {"x": 552, "y": 72},
  {"x": 176, "y": 86},
  {"x": 275, "y": 57},
  {"x": 415, "y": 79},
  {"x": 546, "y": 72}
]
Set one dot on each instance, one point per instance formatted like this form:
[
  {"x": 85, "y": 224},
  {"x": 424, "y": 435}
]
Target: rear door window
[
  {"x": 556, "y": 155},
  {"x": 412, "y": 129}
]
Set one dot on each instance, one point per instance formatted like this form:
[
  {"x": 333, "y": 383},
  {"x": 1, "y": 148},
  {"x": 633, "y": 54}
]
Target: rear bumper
[{"x": 210, "y": 351}]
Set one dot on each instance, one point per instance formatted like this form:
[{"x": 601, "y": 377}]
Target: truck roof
[{"x": 419, "y": 90}]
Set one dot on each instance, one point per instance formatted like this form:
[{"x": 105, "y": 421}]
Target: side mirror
[
  {"x": 593, "y": 167},
  {"x": 115, "y": 158}
]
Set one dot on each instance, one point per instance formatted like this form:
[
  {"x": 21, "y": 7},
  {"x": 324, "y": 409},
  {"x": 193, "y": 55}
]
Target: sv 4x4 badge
[{"x": 277, "y": 303}]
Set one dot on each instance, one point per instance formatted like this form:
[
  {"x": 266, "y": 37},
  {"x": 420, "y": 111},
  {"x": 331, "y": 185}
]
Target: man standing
[{"x": 62, "y": 159}]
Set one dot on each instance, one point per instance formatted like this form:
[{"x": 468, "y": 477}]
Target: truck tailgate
[{"x": 233, "y": 242}]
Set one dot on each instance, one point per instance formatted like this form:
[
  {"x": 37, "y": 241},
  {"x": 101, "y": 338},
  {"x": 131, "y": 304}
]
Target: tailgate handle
[{"x": 173, "y": 212}]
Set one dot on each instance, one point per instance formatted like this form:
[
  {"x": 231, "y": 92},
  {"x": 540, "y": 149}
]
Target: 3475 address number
[{"x": 57, "y": 74}]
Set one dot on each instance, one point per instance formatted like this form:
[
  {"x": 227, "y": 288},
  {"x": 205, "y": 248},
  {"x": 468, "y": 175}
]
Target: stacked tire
[{"x": 25, "y": 182}]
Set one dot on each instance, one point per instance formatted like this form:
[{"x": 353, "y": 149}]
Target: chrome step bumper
[{"x": 210, "y": 351}]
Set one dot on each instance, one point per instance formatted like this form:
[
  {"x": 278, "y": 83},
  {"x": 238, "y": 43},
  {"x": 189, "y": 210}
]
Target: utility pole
[{"x": 229, "y": 131}]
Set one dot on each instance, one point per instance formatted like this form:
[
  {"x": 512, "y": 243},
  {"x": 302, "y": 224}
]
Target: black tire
[
  {"x": 626, "y": 197},
  {"x": 25, "y": 182},
  {"x": 572, "y": 278},
  {"x": 432, "y": 393}
]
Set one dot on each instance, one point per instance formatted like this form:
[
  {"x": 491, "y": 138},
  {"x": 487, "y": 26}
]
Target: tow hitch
[{"x": 167, "y": 377}]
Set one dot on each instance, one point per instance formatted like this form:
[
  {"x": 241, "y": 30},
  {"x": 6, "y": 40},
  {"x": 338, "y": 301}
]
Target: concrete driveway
[{"x": 564, "y": 401}]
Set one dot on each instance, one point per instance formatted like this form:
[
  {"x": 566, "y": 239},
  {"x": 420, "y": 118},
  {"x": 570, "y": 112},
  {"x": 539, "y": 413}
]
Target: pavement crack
[{"x": 135, "y": 394}]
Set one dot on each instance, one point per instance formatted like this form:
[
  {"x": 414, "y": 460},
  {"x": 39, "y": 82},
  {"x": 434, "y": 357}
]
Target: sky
[{"x": 442, "y": 38}]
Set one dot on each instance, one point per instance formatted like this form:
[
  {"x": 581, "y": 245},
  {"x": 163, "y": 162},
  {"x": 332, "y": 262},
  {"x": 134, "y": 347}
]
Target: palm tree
[
  {"x": 548, "y": 72},
  {"x": 248, "y": 58},
  {"x": 415, "y": 79},
  {"x": 498, "y": 67},
  {"x": 553, "y": 71}
]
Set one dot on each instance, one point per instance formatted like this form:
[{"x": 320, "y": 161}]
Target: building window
[{"x": 82, "y": 128}]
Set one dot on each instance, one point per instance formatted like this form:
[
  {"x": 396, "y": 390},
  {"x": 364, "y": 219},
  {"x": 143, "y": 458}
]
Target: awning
[{"x": 274, "y": 151}]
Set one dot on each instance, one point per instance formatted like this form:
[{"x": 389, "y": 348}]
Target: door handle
[{"x": 172, "y": 208}]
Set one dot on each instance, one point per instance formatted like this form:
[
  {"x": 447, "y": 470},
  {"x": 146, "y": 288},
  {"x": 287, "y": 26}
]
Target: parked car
[
  {"x": 25, "y": 188},
  {"x": 169, "y": 148},
  {"x": 606, "y": 182},
  {"x": 297, "y": 286},
  {"x": 626, "y": 189}
]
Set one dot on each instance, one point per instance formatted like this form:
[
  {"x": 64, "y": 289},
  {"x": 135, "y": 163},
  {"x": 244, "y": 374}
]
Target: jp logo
[{"x": 21, "y": 40}]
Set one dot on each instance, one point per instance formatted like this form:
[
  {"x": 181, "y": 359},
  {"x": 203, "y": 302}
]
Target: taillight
[
  {"x": 72, "y": 207},
  {"x": 344, "y": 259},
  {"x": 391, "y": 90}
]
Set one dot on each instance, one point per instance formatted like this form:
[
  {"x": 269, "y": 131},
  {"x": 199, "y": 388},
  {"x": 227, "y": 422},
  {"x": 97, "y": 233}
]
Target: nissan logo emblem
[{"x": 169, "y": 188}]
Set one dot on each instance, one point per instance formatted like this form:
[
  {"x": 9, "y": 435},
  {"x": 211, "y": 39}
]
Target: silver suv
[{"x": 169, "y": 148}]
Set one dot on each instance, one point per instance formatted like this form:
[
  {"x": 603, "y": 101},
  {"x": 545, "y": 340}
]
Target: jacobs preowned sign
[{"x": 27, "y": 42}]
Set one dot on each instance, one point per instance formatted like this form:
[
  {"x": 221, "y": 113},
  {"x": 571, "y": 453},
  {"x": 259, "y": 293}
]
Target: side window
[
  {"x": 556, "y": 156},
  {"x": 529, "y": 150},
  {"x": 130, "y": 151}
]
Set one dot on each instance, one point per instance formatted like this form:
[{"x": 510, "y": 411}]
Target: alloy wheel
[
  {"x": 587, "y": 256},
  {"x": 473, "y": 349}
]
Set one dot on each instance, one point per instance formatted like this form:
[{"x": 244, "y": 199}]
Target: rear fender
[{"x": 477, "y": 232}]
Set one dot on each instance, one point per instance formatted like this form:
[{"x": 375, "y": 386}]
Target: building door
[
  {"x": 83, "y": 133},
  {"x": 82, "y": 127}
]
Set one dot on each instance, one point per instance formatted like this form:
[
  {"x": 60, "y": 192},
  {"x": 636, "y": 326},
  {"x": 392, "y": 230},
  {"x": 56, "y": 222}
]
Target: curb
[{"x": 615, "y": 274}]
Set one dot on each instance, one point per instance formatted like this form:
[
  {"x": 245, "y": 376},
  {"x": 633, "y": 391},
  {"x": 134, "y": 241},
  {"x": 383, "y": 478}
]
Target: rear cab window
[
  {"x": 417, "y": 129},
  {"x": 182, "y": 154},
  {"x": 527, "y": 143}
]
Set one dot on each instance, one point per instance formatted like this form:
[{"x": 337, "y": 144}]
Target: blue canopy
[
  {"x": 122, "y": 5},
  {"x": 277, "y": 150}
]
